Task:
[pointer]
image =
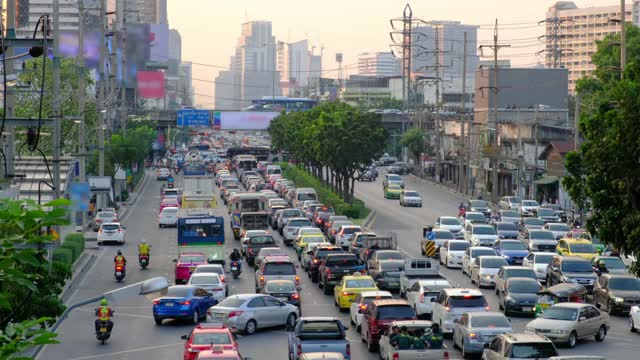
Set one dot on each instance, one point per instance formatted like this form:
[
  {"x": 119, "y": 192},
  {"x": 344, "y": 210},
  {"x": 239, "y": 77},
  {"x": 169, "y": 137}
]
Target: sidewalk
[{"x": 448, "y": 186}]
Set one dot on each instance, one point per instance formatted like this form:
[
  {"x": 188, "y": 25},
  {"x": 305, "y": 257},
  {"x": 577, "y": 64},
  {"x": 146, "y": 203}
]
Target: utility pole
[
  {"x": 554, "y": 56},
  {"x": 57, "y": 116},
  {"x": 437, "y": 117},
  {"x": 81, "y": 102},
  {"x": 123, "y": 85},
  {"x": 495, "y": 145},
  {"x": 623, "y": 39},
  {"x": 103, "y": 83},
  {"x": 576, "y": 133},
  {"x": 8, "y": 68},
  {"x": 463, "y": 109}
]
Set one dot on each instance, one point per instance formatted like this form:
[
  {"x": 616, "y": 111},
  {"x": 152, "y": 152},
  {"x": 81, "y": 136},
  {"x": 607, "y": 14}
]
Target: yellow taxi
[
  {"x": 392, "y": 191},
  {"x": 576, "y": 247},
  {"x": 350, "y": 286},
  {"x": 307, "y": 239}
]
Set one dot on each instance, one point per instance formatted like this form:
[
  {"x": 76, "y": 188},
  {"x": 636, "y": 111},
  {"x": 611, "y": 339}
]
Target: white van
[{"x": 303, "y": 194}]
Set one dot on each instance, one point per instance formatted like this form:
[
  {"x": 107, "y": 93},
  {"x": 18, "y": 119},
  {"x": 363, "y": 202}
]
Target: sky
[{"x": 211, "y": 28}]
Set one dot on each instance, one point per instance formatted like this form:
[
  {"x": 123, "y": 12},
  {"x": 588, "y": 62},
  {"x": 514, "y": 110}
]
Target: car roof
[
  {"x": 573, "y": 258},
  {"x": 485, "y": 313},
  {"x": 353, "y": 277},
  {"x": 201, "y": 274},
  {"x": 111, "y": 223},
  {"x": 278, "y": 258},
  {"x": 577, "y": 241},
  {"x": 525, "y": 337},
  {"x": 279, "y": 281},
  {"x": 462, "y": 291},
  {"x": 375, "y": 293},
  {"x": 523, "y": 279},
  {"x": 319, "y": 318},
  {"x": 486, "y": 257},
  {"x": 511, "y": 267},
  {"x": 390, "y": 302},
  {"x": 572, "y": 305},
  {"x": 619, "y": 276}
]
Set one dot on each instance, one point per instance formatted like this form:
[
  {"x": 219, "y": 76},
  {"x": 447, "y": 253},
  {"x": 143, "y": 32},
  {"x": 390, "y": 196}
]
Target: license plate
[
  {"x": 282, "y": 298},
  {"x": 527, "y": 308},
  {"x": 219, "y": 315},
  {"x": 103, "y": 330},
  {"x": 118, "y": 273},
  {"x": 234, "y": 268},
  {"x": 168, "y": 304}
]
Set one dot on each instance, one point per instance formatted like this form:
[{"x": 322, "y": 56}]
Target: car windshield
[
  {"x": 322, "y": 253},
  {"x": 533, "y": 221},
  {"x": 530, "y": 203},
  {"x": 107, "y": 215},
  {"x": 307, "y": 196},
  {"x": 482, "y": 252},
  {"x": 490, "y": 322},
  {"x": 232, "y": 302},
  {"x": 391, "y": 266},
  {"x": 169, "y": 211},
  {"x": 411, "y": 194},
  {"x": 559, "y": 227},
  {"x": 543, "y": 259},
  {"x": 538, "y": 350},
  {"x": 458, "y": 246},
  {"x": 449, "y": 221},
  {"x": 347, "y": 260},
  {"x": 310, "y": 327},
  {"x": 613, "y": 263},
  {"x": 279, "y": 268},
  {"x": 560, "y": 313},
  {"x": 394, "y": 187},
  {"x": 467, "y": 301},
  {"x": 524, "y": 287},
  {"x": 209, "y": 269},
  {"x": 484, "y": 230},
  {"x": 478, "y": 204},
  {"x": 299, "y": 223},
  {"x": 211, "y": 338},
  {"x": 205, "y": 280},
  {"x": 110, "y": 227},
  {"x": 313, "y": 239},
  {"x": 628, "y": 284},
  {"x": 493, "y": 263},
  {"x": 389, "y": 255},
  {"x": 506, "y": 227},
  {"x": 260, "y": 240},
  {"x": 525, "y": 273},
  {"x": 541, "y": 235},
  {"x": 475, "y": 216},
  {"x": 546, "y": 212},
  {"x": 582, "y": 248},
  {"x": 395, "y": 312},
  {"x": 360, "y": 283},
  {"x": 190, "y": 259},
  {"x": 512, "y": 245},
  {"x": 576, "y": 266},
  {"x": 280, "y": 287},
  {"x": 351, "y": 230},
  {"x": 394, "y": 178},
  {"x": 514, "y": 200},
  {"x": 178, "y": 291},
  {"x": 511, "y": 214},
  {"x": 291, "y": 213},
  {"x": 444, "y": 235}
]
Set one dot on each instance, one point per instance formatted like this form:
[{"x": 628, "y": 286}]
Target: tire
[
  {"x": 370, "y": 347},
  {"x": 158, "y": 321},
  {"x": 602, "y": 333},
  {"x": 251, "y": 327},
  {"x": 196, "y": 317},
  {"x": 573, "y": 339},
  {"x": 291, "y": 321},
  {"x": 351, "y": 320}
]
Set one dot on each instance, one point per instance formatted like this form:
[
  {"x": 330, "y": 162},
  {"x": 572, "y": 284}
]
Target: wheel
[
  {"x": 370, "y": 347},
  {"x": 251, "y": 327},
  {"x": 158, "y": 321},
  {"x": 291, "y": 321},
  {"x": 161, "y": 226},
  {"x": 196, "y": 317},
  {"x": 602, "y": 333},
  {"x": 573, "y": 339},
  {"x": 632, "y": 326}
]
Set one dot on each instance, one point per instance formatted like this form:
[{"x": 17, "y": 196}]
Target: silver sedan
[{"x": 475, "y": 329}]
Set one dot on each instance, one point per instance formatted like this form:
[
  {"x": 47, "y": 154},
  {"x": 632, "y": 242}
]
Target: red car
[
  {"x": 379, "y": 314},
  {"x": 169, "y": 202},
  {"x": 186, "y": 264},
  {"x": 220, "y": 355},
  {"x": 206, "y": 337}
]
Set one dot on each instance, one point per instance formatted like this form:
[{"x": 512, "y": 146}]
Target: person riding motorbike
[
  {"x": 143, "y": 249},
  {"x": 104, "y": 313},
  {"x": 602, "y": 267},
  {"x": 237, "y": 257},
  {"x": 120, "y": 261}
]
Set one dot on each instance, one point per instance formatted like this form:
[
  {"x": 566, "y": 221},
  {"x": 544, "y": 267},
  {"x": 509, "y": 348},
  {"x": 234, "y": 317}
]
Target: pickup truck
[
  {"x": 389, "y": 352},
  {"x": 373, "y": 244},
  {"x": 334, "y": 267},
  {"x": 416, "y": 269},
  {"x": 318, "y": 334}
]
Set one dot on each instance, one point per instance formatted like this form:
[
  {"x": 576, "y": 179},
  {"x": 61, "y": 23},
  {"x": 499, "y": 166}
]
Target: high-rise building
[
  {"x": 29, "y": 11},
  {"x": 253, "y": 72},
  {"x": 378, "y": 64},
  {"x": 571, "y": 34},
  {"x": 175, "y": 45},
  {"x": 294, "y": 65},
  {"x": 185, "y": 89},
  {"x": 146, "y": 11}
]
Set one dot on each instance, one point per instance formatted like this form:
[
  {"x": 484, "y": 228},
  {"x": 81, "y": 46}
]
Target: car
[
  {"x": 512, "y": 216},
  {"x": 613, "y": 265},
  {"x": 285, "y": 215},
  {"x": 255, "y": 243},
  {"x": 510, "y": 271},
  {"x": 422, "y": 294},
  {"x": 568, "y": 322},
  {"x": 634, "y": 318},
  {"x": 392, "y": 179},
  {"x": 250, "y": 312},
  {"x": 246, "y": 235},
  {"x": 355, "y": 247},
  {"x": 334, "y": 267},
  {"x": 571, "y": 269},
  {"x": 474, "y": 330},
  {"x": 344, "y": 235},
  {"x": 317, "y": 256},
  {"x": 276, "y": 268},
  {"x": 398, "y": 167},
  {"x": 539, "y": 240},
  {"x": 507, "y": 230},
  {"x": 183, "y": 302},
  {"x": 311, "y": 334},
  {"x": 453, "y": 302},
  {"x": 268, "y": 251},
  {"x": 510, "y": 203},
  {"x": 452, "y": 224},
  {"x": 519, "y": 345},
  {"x": 162, "y": 174},
  {"x": 562, "y": 214},
  {"x": 480, "y": 234},
  {"x": 387, "y": 273},
  {"x": 168, "y": 202},
  {"x": 471, "y": 253},
  {"x": 186, "y": 265},
  {"x": 480, "y": 206},
  {"x": 360, "y": 303},
  {"x": 384, "y": 255},
  {"x": 559, "y": 230},
  {"x": 210, "y": 282},
  {"x": 547, "y": 215},
  {"x": 291, "y": 227},
  {"x": 513, "y": 251},
  {"x": 531, "y": 223},
  {"x": 485, "y": 268},
  {"x": 392, "y": 191},
  {"x": 111, "y": 232},
  {"x": 168, "y": 217},
  {"x": 519, "y": 296},
  {"x": 577, "y": 247},
  {"x": 410, "y": 198},
  {"x": 471, "y": 217},
  {"x": 538, "y": 261},
  {"x": 284, "y": 290},
  {"x": 206, "y": 336},
  {"x": 617, "y": 293},
  {"x": 103, "y": 217},
  {"x": 345, "y": 292},
  {"x": 528, "y": 208},
  {"x": 452, "y": 251},
  {"x": 379, "y": 314},
  {"x": 214, "y": 268},
  {"x": 440, "y": 236},
  {"x": 335, "y": 226}
]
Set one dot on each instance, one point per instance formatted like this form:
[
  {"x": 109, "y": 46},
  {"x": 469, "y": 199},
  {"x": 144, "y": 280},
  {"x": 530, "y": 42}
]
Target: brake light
[
  {"x": 235, "y": 313},
  {"x": 447, "y": 309},
  {"x": 487, "y": 308},
  {"x": 297, "y": 279},
  {"x": 473, "y": 335},
  {"x": 222, "y": 278},
  {"x": 346, "y": 293},
  {"x": 156, "y": 302},
  {"x": 261, "y": 280},
  {"x": 315, "y": 261},
  {"x": 299, "y": 348},
  {"x": 334, "y": 232},
  {"x": 396, "y": 356},
  {"x": 363, "y": 307},
  {"x": 185, "y": 302},
  {"x": 295, "y": 297},
  {"x": 119, "y": 231},
  {"x": 422, "y": 298},
  {"x": 100, "y": 231}
]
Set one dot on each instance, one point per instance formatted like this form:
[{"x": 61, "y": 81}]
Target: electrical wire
[
  {"x": 4, "y": 90},
  {"x": 45, "y": 55}
]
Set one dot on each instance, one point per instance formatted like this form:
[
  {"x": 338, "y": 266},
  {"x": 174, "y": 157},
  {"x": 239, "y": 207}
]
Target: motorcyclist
[
  {"x": 119, "y": 260},
  {"x": 236, "y": 256},
  {"x": 104, "y": 313},
  {"x": 144, "y": 249},
  {"x": 602, "y": 267}
]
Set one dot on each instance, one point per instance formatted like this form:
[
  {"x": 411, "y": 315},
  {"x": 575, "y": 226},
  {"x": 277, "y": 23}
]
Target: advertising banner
[
  {"x": 150, "y": 84},
  {"x": 80, "y": 194},
  {"x": 246, "y": 120}
]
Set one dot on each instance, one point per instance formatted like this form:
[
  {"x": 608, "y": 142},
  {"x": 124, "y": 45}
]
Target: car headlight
[
  {"x": 487, "y": 276},
  {"x": 506, "y": 256},
  {"x": 510, "y": 300},
  {"x": 530, "y": 329},
  {"x": 617, "y": 299},
  {"x": 559, "y": 331},
  {"x": 568, "y": 279}
]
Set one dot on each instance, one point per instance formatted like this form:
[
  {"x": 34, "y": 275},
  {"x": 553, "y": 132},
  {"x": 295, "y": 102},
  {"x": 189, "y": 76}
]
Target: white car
[
  {"x": 538, "y": 261},
  {"x": 529, "y": 208},
  {"x": 360, "y": 303},
  {"x": 452, "y": 303},
  {"x": 292, "y": 226},
  {"x": 485, "y": 268},
  {"x": 210, "y": 282},
  {"x": 168, "y": 217},
  {"x": 472, "y": 253},
  {"x": 559, "y": 230},
  {"x": 481, "y": 234},
  {"x": 410, "y": 198},
  {"x": 345, "y": 234},
  {"x": 111, "y": 232},
  {"x": 510, "y": 203},
  {"x": 422, "y": 294},
  {"x": 452, "y": 224},
  {"x": 634, "y": 318},
  {"x": 452, "y": 251}
]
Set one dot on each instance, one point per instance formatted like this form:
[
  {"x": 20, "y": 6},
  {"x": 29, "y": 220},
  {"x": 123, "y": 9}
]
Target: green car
[{"x": 392, "y": 191}]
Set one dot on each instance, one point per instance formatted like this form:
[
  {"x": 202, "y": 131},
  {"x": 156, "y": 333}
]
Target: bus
[
  {"x": 194, "y": 170},
  {"x": 245, "y": 206},
  {"x": 279, "y": 103},
  {"x": 201, "y": 231}
]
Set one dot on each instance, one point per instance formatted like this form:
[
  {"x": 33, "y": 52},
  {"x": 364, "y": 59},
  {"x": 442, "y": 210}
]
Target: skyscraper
[
  {"x": 294, "y": 65},
  {"x": 175, "y": 45},
  {"x": 378, "y": 64},
  {"x": 146, "y": 11}
]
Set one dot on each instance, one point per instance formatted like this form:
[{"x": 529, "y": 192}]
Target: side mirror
[
  {"x": 582, "y": 318},
  {"x": 184, "y": 337},
  {"x": 175, "y": 260},
  {"x": 455, "y": 321}
]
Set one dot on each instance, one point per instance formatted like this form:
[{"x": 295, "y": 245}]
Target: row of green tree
[{"x": 334, "y": 141}]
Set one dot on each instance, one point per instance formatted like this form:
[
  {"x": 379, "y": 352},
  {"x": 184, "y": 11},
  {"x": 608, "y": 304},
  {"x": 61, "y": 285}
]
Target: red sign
[{"x": 151, "y": 84}]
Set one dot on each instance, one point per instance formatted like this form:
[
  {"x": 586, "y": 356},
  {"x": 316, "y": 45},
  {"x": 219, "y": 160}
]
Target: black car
[
  {"x": 570, "y": 269},
  {"x": 507, "y": 230},
  {"x": 317, "y": 255},
  {"x": 400, "y": 168},
  {"x": 480, "y": 206},
  {"x": 284, "y": 290},
  {"x": 519, "y": 296},
  {"x": 366, "y": 176},
  {"x": 617, "y": 293},
  {"x": 255, "y": 243},
  {"x": 562, "y": 214}
]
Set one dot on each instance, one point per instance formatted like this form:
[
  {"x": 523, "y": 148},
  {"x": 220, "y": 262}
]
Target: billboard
[
  {"x": 150, "y": 84},
  {"x": 80, "y": 194},
  {"x": 137, "y": 50},
  {"x": 245, "y": 120},
  {"x": 158, "y": 42}
]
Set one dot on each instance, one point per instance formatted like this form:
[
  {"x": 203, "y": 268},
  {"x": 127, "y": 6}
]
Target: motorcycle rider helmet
[
  {"x": 119, "y": 252},
  {"x": 104, "y": 302},
  {"x": 144, "y": 241}
]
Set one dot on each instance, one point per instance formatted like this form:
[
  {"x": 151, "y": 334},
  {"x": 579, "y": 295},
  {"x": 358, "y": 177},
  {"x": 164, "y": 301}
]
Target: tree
[
  {"x": 132, "y": 148},
  {"x": 605, "y": 172},
  {"x": 413, "y": 139},
  {"x": 30, "y": 285}
]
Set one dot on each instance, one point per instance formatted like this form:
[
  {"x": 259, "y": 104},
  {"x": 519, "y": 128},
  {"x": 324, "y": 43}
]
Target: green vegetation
[
  {"x": 414, "y": 140},
  {"x": 604, "y": 174},
  {"x": 30, "y": 285}
]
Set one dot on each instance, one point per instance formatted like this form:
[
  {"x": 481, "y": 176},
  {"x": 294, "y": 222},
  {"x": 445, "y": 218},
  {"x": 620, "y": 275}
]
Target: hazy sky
[{"x": 210, "y": 28}]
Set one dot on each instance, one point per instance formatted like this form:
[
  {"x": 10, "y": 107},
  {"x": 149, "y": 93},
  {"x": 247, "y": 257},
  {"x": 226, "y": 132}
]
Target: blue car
[
  {"x": 183, "y": 302},
  {"x": 513, "y": 251}
]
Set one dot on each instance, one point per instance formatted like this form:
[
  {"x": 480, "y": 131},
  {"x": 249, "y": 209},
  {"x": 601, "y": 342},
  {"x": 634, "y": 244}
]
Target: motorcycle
[
  {"x": 461, "y": 212},
  {"x": 120, "y": 273},
  {"x": 143, "y": 260},
  {"x": 104, "y": 331},
  {"x": 235, "y": 269}
]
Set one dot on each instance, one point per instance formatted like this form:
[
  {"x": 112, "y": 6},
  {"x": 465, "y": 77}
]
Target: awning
[{"x": 546, "y": 180}]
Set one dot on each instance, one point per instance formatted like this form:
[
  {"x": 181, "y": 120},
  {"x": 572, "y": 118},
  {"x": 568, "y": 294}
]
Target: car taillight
[
  {"x": 346, "y": 293},
  {"x": 315, "y": 261},
  {"x": 348, "y": 350},
  {"x": 334, "y": 232},
  {"x": 156, "y": 302},
  {"x": 222, "y": 278},
  {"x": 297, "y": 280},
  {"x": 295, "y": 297},
  {"x": 487, "y": 308},
  {"x": 374, "y": 325},
  {"x": 250, "y": 251},
  {"x": 299, "y": 349},
  {"x": 422, "y": 298},
  {"x": 119, "y": 231},
  {"x": 187, "y": 302},
  {"x": 447, "y": 309},
  {"x": 100, "y": 231},
  {"x": 396, "y": 356},
  {"x": 328, "y": 272},
  {"x": 261, "y": 280},
  {"x": 235, "y": 313},
  {"x": 446, "y": 355},
  {"x": 363, "y": 307}
]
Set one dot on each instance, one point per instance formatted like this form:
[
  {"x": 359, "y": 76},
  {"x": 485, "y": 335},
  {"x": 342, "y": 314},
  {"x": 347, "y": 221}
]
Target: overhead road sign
[{"x": 193, "y": 118}]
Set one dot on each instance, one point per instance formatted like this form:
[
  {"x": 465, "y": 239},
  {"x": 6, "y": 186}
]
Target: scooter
[
  {"x": 104, "y": 331},
  {"x": 143, "y": 260},
  {"x": 120, "y": 273},
  {"x": 235, "y": 269}
]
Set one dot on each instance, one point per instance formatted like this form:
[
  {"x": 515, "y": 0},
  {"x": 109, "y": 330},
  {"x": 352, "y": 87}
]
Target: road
[{"x": 136, "y": 337}]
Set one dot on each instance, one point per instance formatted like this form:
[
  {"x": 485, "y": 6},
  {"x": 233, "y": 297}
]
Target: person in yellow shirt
[{"x": 144, "y": 248}]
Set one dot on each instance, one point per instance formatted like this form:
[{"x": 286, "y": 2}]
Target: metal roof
[{"x": 35, "y": 172}]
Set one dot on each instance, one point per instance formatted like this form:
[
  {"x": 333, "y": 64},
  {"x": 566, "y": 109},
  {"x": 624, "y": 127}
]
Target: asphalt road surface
[{"x": 135, "y": 335}]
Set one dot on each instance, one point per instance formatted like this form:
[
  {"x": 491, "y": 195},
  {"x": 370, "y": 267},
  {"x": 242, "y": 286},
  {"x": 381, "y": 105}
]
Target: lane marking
[
  {"x": 127, "y": 351},
  {"x": 123, "y": 314}
]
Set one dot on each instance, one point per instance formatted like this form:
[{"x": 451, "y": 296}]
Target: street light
[{"x": 151, "y": 289}]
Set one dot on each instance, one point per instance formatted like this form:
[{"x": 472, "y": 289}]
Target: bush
[
  {"x": 75, "y": 248},
  {"x": 78, "y": 239},
  {"x": 63, "y": 255},
  {"x": 124, "y": 195}
]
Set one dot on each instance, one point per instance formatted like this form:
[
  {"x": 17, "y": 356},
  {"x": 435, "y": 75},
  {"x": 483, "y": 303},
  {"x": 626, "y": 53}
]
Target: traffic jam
[{"x": 540, "y": 262}]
